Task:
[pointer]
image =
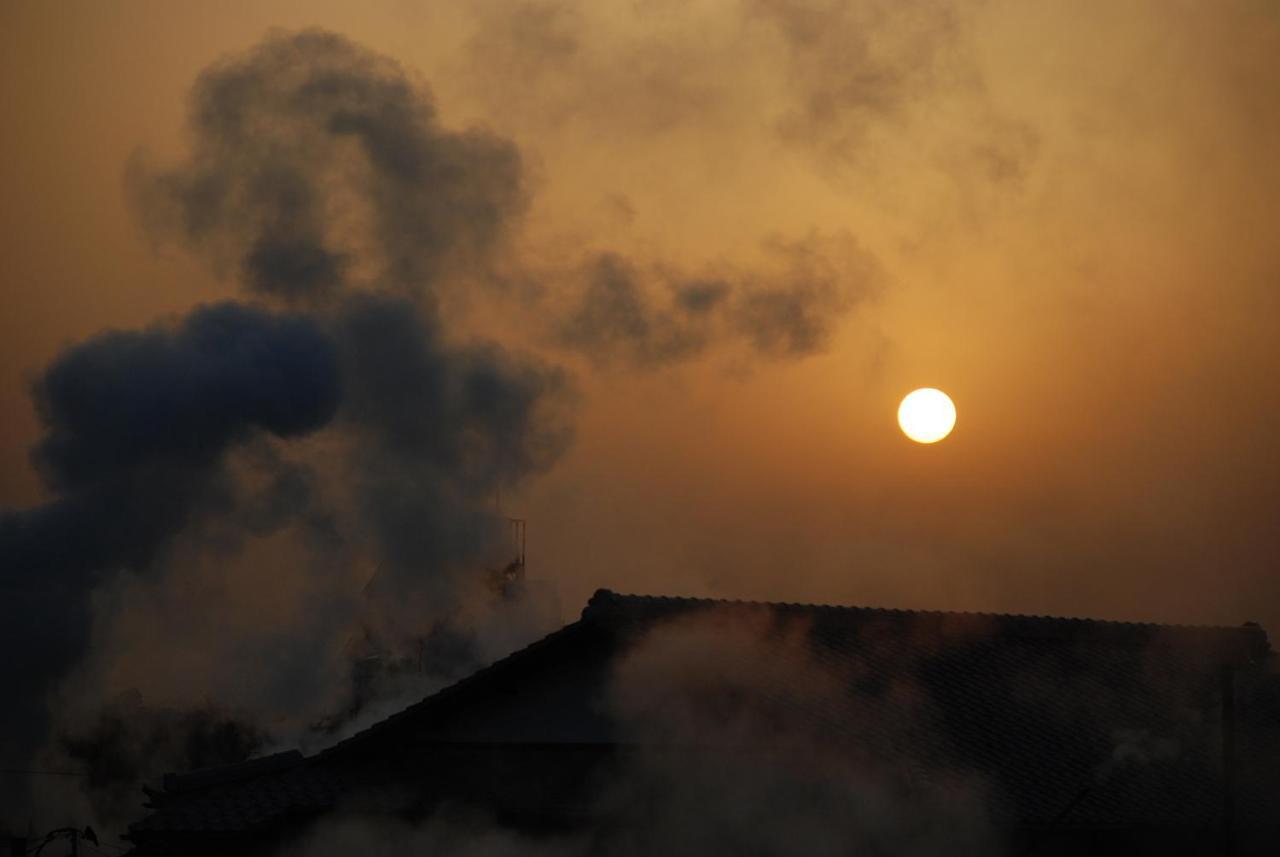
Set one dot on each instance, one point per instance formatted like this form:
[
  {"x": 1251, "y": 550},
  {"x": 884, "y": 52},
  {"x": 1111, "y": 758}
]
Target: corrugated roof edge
[{"x": 1252, "y": 636}]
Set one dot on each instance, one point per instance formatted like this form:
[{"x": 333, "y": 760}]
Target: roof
[
  {"x": 241, "y": 797},
  {"x": 1114, "y": 722},
  {"x": 1237, "y": 644}
]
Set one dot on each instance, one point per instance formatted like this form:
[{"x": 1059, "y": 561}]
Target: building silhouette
[{"x": 1050, "y": 735}]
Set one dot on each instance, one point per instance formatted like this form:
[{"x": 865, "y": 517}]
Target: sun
[{"x": 927, "y": 415}]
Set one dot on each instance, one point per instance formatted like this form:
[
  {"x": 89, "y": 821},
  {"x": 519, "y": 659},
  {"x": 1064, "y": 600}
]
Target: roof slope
[{"x": 1118, "y": 723}]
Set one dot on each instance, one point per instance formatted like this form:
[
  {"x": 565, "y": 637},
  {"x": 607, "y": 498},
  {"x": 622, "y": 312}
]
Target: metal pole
[{"x": 1228, "y": 762}]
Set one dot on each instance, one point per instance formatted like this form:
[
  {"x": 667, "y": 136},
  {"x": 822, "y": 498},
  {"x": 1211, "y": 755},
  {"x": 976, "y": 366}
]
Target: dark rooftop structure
[{"x": 1063, "y": 735}]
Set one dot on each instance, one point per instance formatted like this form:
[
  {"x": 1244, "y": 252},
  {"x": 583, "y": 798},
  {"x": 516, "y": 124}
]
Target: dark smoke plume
[
  {"x": 320, "y": 173},
  {"x": 124, "y": 399},
  {"x": 316, "y": 163},
  {"x": 137, "y": 425},
  {"x": 439, "y": 429},
  {"x": 320, "y": 179}
]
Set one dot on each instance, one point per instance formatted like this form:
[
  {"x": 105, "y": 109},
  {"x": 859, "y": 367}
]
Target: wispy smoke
[
  {"x": 735, "y": 735},
  {"x": 747, "y": 736},
  {"x": 746, "y": 729},
  {"x": 853, "y": 65},
  {"x": 127, "y": 741},
  {"x": 785, "y": 309},
  {"x": 838, "y": 82}
]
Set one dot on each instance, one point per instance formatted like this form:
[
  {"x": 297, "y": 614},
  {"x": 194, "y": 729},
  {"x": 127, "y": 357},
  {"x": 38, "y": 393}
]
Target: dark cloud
[
  {"x": 441, "y": 429},
  {"x": 319, "y": 167},
  {"x": 137, "y": 425},
  {"x": 124, "y": 399},
  {"x": 470, "y": 410},
  {"x": 315, "y": 161},
  {"x": 785, "y": 308}
]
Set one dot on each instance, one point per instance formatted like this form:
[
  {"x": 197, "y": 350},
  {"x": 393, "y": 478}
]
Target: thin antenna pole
[{"x": 1228, "y": 762}]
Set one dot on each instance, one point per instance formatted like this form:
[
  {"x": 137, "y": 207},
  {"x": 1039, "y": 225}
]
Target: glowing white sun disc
[{"x": 927, "y": 415}]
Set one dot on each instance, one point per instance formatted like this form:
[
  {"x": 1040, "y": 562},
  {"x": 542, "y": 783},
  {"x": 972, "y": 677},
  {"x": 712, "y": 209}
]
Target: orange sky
[{"x": 1073, "y": 207}]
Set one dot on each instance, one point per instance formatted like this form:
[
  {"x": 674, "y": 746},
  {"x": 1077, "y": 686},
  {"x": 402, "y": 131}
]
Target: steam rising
[{"x": 734, "y": 736}]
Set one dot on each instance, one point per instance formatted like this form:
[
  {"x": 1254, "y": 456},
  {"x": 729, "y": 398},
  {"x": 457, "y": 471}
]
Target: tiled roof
[
  {"x": 1117, "y": 722},
  {"x": 1238, "y": 644},
  {"x": 240, "y": 797}
]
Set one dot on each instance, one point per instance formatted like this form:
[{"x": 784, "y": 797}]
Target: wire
[{"x": 43, "y": 773}]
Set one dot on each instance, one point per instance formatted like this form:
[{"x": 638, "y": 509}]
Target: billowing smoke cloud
[
  {"x": 137, "y": 427},
  {"x": 320, "y": 180},
  {"x": 336, "y": 444},
  {"x": 316, "y": 164},
  {"x": 320, "y": 175},
  {"x": 439, "y": 429},
  {"x": 122, "y": 398},
  {"x": 785, "y": 309}
]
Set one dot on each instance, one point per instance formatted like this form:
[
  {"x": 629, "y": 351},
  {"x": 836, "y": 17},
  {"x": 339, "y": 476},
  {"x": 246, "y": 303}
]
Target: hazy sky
[{"x": 1065, "y": 215}]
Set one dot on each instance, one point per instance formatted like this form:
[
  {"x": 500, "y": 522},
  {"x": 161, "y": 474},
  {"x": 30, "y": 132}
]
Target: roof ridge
[
  {"x": 603, "y": 595},
  {"x": 447, "y": 691}
]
